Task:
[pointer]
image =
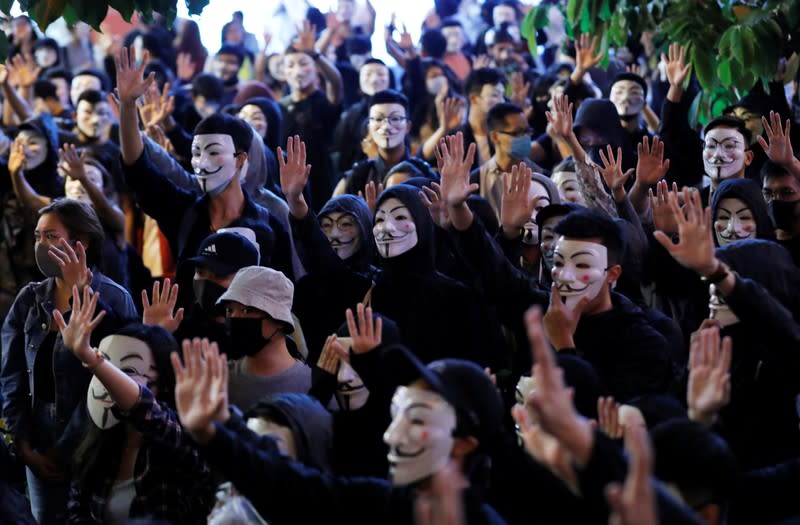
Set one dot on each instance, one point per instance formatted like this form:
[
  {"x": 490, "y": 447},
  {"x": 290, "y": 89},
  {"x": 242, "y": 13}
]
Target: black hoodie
[{"x": 749, "y": 192}]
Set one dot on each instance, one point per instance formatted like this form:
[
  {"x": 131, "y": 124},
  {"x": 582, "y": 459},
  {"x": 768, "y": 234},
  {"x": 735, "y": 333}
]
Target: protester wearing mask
[
  {"x": 225, "y": 66},
  {"x": 511, "y": 137},
  {"x": 219, "y": 153},
  {"x": 258, "y": 317},
  {"x": 781, "y": 190},
  {"x": 738, "y": 212},
  {"x": 455, "y": 57},
  {"x": 373, "y": 76},
  {"x": 389, "y": 127},
  {"x": 726, "y": 152},
  {"x": 628, "y": 92},
  {"x": 42, "y": 384},
  {"x": 219, "y": 257}
]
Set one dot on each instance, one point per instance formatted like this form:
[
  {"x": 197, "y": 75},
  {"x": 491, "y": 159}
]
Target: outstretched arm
[{"x": 131, "y": 85}]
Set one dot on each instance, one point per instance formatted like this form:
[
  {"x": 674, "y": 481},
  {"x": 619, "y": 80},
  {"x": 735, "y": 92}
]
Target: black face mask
[
  {"x": 206, "y": 294},
  {"x": 244, "y": 334},
  {"x": 782, "y": 214}
]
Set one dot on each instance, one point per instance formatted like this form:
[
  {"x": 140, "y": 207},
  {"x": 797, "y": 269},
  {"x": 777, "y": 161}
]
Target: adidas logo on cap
[{"x": 212, "y": 248}]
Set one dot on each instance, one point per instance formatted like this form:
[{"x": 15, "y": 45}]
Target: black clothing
[
  {"x": 375, "y": 170},
  {"x": 348, "y": 135}
]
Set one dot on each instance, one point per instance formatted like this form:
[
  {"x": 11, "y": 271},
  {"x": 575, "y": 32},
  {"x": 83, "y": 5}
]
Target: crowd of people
[{"x": 478, "y": 284}]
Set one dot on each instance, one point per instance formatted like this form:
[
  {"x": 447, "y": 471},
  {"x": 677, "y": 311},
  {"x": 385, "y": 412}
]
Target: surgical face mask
[
  {"x": 718, "y": 309},
  {"x": 723, "y": 154},
  {"x": 734, "y": 222},
  {"x": 133, "y": 357},
  {"x": 214, "y": 161},
  {"x": 420, "y": 437},
  {"x": 342, "y": 232},
  {"x": 394, "y": 230},
  {"x": 628, "y": 97},
  {"x": 73, "y": 189},
  {"x": 358, "y": 60},
  {"x": 569, "y": 189},
  {"x": 34, "y": 147},
  {"x": 245, "y": 334},
  {"x": 206, "y": 294},
  {"x": 520, "y": 147},
  {"x": 373, "y": 78},
  {"x": 783, "y": 214},
  {"x": 388, "y": 125},
  {"x": 579, "y": 269},
  {"x": 93, "y": 120},
  {"x": 436, "y": 84},
  {"x": 351, "y": 394},
  {"x": 44, "y": 262}
]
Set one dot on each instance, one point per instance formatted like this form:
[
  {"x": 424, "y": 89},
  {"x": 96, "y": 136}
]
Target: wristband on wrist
[
  {"x": 717, "y": 276},
  {"x": 99, "y": 358}
]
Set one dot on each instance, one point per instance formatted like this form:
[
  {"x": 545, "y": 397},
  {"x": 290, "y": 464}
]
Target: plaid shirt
[{"x": 171, "y": 480}]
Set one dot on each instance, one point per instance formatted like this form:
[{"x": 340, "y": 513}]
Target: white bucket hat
[{"x": 266, "y": 289}]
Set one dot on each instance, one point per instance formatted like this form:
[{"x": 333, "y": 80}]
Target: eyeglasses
[
  {"x": 394, "y": 120},
  {"x": 521, "y": 133},
  {"x": 783, "y": 194}
]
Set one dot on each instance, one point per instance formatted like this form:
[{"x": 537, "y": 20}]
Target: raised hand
[
  {"x": 77, "y": 333},
  {"x": 520, "y": 90},
  {"x": 370, "y": 195},
  {"x": 329, "y": 357},
  {"x": 201, "y": 388},
  {"x": 586, "y": 52},
  {"x": 72, "y": 164},
  {"x": 709, "y": 375},
  {"x": 131, "y": 83},
  {"x": 294, "y": 171},
  {"x": 184, "y": 66},
  {"x": 74, "y": 271},
  {"x": 676, "y": 66},
  {"x": 23, "y": 70},
  {"x": 779, "y": 148},
  {"x": 432, "y": 199},
  {"x": 695, "y": 249},
  {"x": 608, "y": 417},
  {"x": 664, "y": 218},
  {"x": 156, "y": 107},
  {"x": 406, "y": 43},
  {"x": 455, "y": 168},
  {"x": 516, "y": 205},
  {"x": 560, "y": 322},
  {"x": 16, "y": 156},
  {"x": 365, "y": 330},
  {"x": 482, "y": 61},
  {"x": 450, "y": 111},
  {"x": 560, "y": 119},
  {"x": 306, "y": 37},
  {"x": 634, "y": 503},
  {"x": 651, "y": 166},
  {"x": 161, "y": 312},
  {"x": 611, "y": 170}
]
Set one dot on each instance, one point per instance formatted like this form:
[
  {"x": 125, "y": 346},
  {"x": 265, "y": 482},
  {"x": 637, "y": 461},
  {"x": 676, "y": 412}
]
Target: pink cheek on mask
[
  {"x": 747, "y": 228},
  {"x": 406, "y": 228},
  {"x": 720, "y": 228},
  {"x": 220, "y": 162},
  {"x": 585, "y": 278},
  {"x": 424, "y": 436}
]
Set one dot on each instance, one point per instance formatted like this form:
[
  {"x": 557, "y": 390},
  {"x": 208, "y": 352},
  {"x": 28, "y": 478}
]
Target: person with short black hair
[{"x": 225, "y": 66}]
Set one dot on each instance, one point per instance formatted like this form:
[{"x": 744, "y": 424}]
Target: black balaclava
[
  {"x": 600, "y": 116},
  {"x": 421, "y": 258},
  {"x": 272, "y": 112},
  {"x": 352, "y": 205},
  {"x": 749, "y": 192},
  {"x": 310, "y": 423},
  {"x": 770, "y": 265}
]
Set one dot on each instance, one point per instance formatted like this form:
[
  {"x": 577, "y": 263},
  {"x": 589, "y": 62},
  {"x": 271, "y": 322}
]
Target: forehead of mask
[
  {"x": 82, "y": 83},
  {"x": 734, "y": 221},
  {"x": 35, "y": 148},
  {"x": 395, "y": 231},
  {"x": 420, "y": 437},
  {"x": 253, "y": 115},
  {"x": 73, "y": 189},
  {"x": 213, "y": 143},
  {"x": 282, "y": 435},
  {"x": 373, "y": 78},
  {"x": 133, "y": 357}
]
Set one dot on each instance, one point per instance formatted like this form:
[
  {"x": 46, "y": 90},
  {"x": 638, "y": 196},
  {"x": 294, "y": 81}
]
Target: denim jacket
[{"x": 24, "y": 330}]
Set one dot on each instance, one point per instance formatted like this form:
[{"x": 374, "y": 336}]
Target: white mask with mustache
[
  {"x": 718, "y": 309},
  {"x": 133, "y": 357},
  {"x": 342, "y": 232},
  {"x": 420, "y": 437},
  {"x": 579, "y": 269},
  {"x": 723, "y": 153},
  {"x": 213, "y": 161},
  {"x": 351, "y": 394},
  {"x": 394, "y": 230}
]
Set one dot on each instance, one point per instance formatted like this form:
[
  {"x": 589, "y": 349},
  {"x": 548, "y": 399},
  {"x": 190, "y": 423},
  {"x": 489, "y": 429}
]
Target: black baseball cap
[
  {"x": 464, "y": 384},
  {"x": 226, "y": 253}
]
